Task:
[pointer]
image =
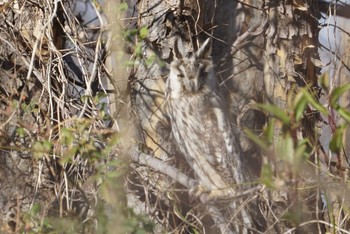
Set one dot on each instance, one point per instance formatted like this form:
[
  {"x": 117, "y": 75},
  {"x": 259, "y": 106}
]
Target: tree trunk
[
  {"x": 291, "y": 48},
  {"x": 259, "y": 56},
  {"x": 59, "y": 158}
]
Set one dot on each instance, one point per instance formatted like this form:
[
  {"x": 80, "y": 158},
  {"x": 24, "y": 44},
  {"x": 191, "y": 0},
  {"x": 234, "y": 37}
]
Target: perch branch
[
  {"x": 181, "y": 178},
  {"x": 160, "y": 166}
]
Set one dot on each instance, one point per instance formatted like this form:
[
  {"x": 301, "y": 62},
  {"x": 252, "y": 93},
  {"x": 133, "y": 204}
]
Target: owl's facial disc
[{"x": 193, "y": 76}]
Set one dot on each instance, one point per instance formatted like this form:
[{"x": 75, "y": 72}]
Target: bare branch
[
  {"x": 162, "y": 167},
  {"x": 342, "y": 9}
]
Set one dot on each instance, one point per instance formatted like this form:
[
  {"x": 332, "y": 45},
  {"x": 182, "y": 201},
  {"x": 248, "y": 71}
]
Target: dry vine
[{"x": 53, "y": 91}]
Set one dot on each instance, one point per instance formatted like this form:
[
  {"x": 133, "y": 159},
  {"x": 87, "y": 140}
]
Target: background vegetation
[{"x": 85, "y": 145}]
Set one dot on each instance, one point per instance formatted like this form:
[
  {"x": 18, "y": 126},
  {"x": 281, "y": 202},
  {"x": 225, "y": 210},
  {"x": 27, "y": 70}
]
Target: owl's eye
[{"x": 180, "y": 75}]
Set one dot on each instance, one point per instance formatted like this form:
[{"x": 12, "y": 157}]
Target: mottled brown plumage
[
  {"x": 201, "y": 127},
  {"x": 200, "y": 122}
]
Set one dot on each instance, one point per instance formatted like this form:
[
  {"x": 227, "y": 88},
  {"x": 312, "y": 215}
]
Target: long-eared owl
[{"x": 200, "y": 122}]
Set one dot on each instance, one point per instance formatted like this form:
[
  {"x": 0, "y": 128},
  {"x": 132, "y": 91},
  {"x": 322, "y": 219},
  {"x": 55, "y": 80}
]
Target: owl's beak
[{"x": 195, "y": 85}]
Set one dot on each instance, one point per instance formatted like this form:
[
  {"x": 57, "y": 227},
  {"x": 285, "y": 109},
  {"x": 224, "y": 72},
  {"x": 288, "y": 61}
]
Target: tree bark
[{"x": 263, "y": 51}]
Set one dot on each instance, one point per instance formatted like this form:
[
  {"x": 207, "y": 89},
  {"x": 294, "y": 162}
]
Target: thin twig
[
  {"x": 317, "y": 221},
  {"x": 160, "y": 166}
]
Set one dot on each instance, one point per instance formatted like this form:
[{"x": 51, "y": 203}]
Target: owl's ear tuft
[
  {"x": 205, "y": 50},
  {"x": 178, "y": 49}
]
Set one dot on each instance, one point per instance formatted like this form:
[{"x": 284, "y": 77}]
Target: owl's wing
[
  {"x": 220, "y": 125},
  {"x": 225, "y": 140}
]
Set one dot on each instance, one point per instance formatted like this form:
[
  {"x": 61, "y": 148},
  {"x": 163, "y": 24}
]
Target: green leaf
[
  {"x": 336, "y": 93},
  {"x": 324, "y": 81},
  {"x": 123, "y": 6},
  {"x": 99, "y": 96},
  {"x": 151, "y": 59},
  {"x": 285, "y": 148},
  {"x": 138, "y": 50},
  {"x": 299, "y": 106},
  {"x": 337, "y": 140},
  {"x": 67, "y": 137},
  {"x": 14, "y": 104},
  {"x": 130, "y": 63},
  {"x": 266, "y": 177},
  {"x": 36, "y": 208},
  {"x": 143, "y": 32},
  {"x": 257, "y": 140},
  {"x": 130, "y": 34},
  {"x": 344, "y": 114},
  {"x": 301, "y": 153},
  {"x": 270, "y": 131},
  {"x": 85, "y": 98},
  {"x": 277, "y": 112},
  {"x": 47, "y": 145},
  {"x": 294, "y": 216},
  {"x": 40, "y": 148},
  {"x": 313, "y": 102},
  {"x": 69, "y": 154},
  {"x": 20, "y": 132}
]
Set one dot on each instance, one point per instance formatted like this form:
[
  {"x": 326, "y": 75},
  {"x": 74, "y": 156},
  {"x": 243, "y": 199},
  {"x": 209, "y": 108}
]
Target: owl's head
[{"x": 191, "y": 73}]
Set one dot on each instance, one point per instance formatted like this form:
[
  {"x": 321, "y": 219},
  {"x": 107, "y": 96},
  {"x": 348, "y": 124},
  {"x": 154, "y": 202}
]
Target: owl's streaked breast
[{"x": 199, "y": 121}]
